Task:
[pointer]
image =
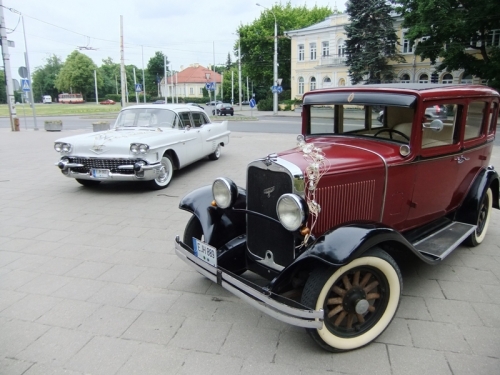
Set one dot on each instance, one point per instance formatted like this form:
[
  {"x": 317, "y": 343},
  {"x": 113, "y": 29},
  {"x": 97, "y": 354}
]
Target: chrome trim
[
  {"x": 263, "y": 302},
  {"x": 149, "y": 174},
  {"x": 281, "y": 165},
  {"x": 386, "y": 174},
  {"x": 268, "y": 261}
]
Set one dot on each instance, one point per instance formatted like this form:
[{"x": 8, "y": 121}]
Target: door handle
[{"x": 460, "y": 159}]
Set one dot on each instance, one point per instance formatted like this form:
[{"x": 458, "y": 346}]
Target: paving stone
[
  {"x": 154, "y": 328},
  {"x": 484, "y": 341},
  {"x": 438, "y": 272},
  {"x": 44, "y": 284},
  {"x": 28, "y": 262},
  {"x": 153, "y": 359},
  {"x": 156, "y": 278},
  {"x": 58, "y": 266},
  {"x": 44, "y": 369},
  {"x": 189, "y": 282},
  {"x": 156, "y": 300},
  {"x": 13, "y": 366},
  {"x": 203, "y": 363},
  {"x": 253, "y": 366},
  {"x": 397, "y": 333},
  {"x": 413, "y": 308},
  {"x": 56, "y": 346},
  {"x": 114, "y": 294},
  {"x": 68, "y": 313},
  {"x": 438, "y": 336},
  {"x": 462, "y": 364},
  {"x": 89, "y": 270},
  {"x": 195, "y": 306},
  {"x": 79, "y": 289},
  {"x": 7, "y": 257},
  {"x": 411, "y": 361},
  {"x": 472, "y": 275},
  {"x": 103, "y": 355},
  {"x": 30, "y": 307},
  {"x": 109, "y": 321},
  {"x": 7, "y": 298},
  {"x": 11, "y": 280},
  {"x": 17, "y": 335},
  {"x": 201, "y": 335},
  {"x": 455, "y": 312},
  {"x": 464, "y": 291},
  {"x": 419, "y": 287},
  {"x": 122, "y": 273}
]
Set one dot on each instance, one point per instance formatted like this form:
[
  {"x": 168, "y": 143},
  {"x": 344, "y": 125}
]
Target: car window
[
  {"x": 450, "y": 115},
  {"x": 493, "y": 119},
  {"x": 474, "y": 122},
  {"x": 186, "y": 118},
  {"x": 198, "y": 119}
]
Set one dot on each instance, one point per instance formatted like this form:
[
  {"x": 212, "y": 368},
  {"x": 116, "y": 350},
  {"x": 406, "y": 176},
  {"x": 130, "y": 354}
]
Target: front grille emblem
[
  {"x": 268, "y": 191},
  {"x": 98, "y": 149}
]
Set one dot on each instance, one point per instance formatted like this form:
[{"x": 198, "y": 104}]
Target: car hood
[{"x": 117, "y": 141}]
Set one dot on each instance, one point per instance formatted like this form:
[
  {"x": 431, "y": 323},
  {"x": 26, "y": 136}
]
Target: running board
[{"x": 441, "y": 243}]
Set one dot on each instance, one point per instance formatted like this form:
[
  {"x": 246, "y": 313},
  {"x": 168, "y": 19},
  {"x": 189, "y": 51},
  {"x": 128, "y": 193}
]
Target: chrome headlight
[
  {"x": 139, "y": 148},
  {"x": 225, "y": 192},
  {"x": 62, "y": 147},
  {"x": 292, "y": 211}
]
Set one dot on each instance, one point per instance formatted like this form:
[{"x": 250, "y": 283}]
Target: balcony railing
[{"x": 332, "y": 60}]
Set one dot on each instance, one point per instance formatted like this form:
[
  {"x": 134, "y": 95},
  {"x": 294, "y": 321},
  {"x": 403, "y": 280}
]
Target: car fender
[
  {"x": 468, "y": 211},
  {"x": 341, "y": 245},
  {"x": 219, "y": 225}
]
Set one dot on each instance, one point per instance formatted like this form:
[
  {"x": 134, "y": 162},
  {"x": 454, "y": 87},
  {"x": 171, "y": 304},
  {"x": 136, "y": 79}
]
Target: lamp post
[{"x": 275, "y": 62}]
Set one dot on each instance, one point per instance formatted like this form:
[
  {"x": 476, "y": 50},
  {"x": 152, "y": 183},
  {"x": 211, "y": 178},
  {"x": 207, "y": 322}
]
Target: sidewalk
[{"x": 89, "y": 284}]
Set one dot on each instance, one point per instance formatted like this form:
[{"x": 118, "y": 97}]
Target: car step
[{"x": 441, "y": 243}]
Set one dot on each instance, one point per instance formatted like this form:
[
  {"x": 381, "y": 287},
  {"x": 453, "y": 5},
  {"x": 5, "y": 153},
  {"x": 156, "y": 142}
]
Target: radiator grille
[
  {"x": 102, "y": 163},
  {"x": 344, "y": 203},
  {"x": 264, "y": 234}
]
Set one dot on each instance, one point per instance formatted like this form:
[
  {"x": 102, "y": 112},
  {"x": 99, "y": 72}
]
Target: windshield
[
  {"x": 147, "y": 117},
  {"x": 385, "y": 122}
]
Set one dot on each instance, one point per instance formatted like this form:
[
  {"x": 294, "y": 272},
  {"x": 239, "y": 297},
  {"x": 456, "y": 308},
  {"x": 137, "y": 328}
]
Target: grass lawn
[{"x": 56, "y": 109}]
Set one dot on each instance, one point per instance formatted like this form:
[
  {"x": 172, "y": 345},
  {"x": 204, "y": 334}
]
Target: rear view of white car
[{"x": 147, "y": 143}]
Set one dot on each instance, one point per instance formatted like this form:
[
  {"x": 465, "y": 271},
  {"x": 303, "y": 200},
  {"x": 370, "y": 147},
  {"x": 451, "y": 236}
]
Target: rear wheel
[
  {"x": 483, "y": 220},
  {"x": 359, "y": 300},
  {"x": 88, "y": 183},
  {"x": 165, "y": 174},
  {"x": 216, "y": 154}
]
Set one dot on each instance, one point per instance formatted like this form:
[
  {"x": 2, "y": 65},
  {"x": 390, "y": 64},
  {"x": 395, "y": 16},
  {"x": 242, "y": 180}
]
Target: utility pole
[
  {"x": 14, "y": 120},
  {"x": 239, "y": 70},
  {"x": 95, "y": 86},
  {"x": 122, "y": 63}
]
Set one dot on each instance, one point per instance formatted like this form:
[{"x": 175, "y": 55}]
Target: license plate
[
  {"x": 205, "y": 252},
  {"x": 100, "y": 173}
]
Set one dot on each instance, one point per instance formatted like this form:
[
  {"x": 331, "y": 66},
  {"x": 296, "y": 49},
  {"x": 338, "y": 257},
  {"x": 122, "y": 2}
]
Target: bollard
[{"x": 16, "y": 124}]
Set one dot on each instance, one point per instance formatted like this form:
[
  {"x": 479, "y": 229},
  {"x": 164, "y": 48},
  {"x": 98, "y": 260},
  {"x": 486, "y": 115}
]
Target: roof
[
  {"x": 172, "y": 107},
  {"x": 194, "y": 74}
]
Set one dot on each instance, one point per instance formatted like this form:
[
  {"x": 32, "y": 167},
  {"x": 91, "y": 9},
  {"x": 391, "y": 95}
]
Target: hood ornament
[
  {"x": 98, "y": 149},
  {"x": 270, "y": 158}
]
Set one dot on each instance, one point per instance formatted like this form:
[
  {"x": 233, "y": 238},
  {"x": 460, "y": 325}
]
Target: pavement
[{"x": 90, "y": 284}]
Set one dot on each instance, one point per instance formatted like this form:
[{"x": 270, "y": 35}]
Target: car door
[
  {"x": 437, "y": 167},
  {"x": 190, "y": 149}
]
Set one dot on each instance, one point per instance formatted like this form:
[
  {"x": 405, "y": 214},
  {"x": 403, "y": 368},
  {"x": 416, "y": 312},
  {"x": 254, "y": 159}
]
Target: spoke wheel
[
  {"x": 483, "y": 220},
  {"x": 359, "y": 300}
]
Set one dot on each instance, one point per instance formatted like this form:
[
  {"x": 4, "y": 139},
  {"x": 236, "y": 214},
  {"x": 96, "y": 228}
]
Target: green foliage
[
  {"x": 226, "y": 85},
  {"x": 44, "y": 78},
  {"x": 265, "y": 104},
  {"x": 77, "y": 75},
  {"x": 156, "y": 68},
  {"x": 371, "y": 41},
  {"x": 257, "y": 42},
  {"x": 110, "y": 74},
  {"x": 452, "y": 29}
]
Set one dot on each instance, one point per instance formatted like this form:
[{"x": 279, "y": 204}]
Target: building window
[
  {"x": 407, "y": 45},
  {"x": 301, "y": 85},
  {"x": 466, "y": 79},
  {"x": 326, "y": 49},
  {"x": 342, "y": 82},
  {"x": 301, "y": 52},
  {"x": 312, "y": 49},
  {"x": 191, "y": 91},
  {"x": 447, "y": 78},
  {"x": 327, "y": 82},
  {"x": 494, "y": 38},
  {"x": 405, "y": 78},
  {"x": 312, "y": 85},
  {"x": 424, "y": 78},
  {"x": 341, "y": 48}
]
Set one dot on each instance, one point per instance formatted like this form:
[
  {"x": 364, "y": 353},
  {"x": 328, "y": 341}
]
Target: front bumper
[
  {"x": 141, "y": 172},
  {"x": 278, "y": 307}
]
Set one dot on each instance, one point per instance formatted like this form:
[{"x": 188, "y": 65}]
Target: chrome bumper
[
  {"x": 251, "y": 293},
  {"x": 141, "y": 172}
]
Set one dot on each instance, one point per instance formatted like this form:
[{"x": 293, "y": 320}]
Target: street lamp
[{"x": 275, "y": 63}]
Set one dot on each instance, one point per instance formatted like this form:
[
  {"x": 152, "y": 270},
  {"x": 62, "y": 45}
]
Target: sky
[{"x": 186, "y": 31}]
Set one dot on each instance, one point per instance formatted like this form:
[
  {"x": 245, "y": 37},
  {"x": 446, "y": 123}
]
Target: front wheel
[
  {"x": 193, "y": 229},
  {"x": 164, "y": 175},
  {"x": 359, "y": 300},
  {"x": 483, "y": 220}
]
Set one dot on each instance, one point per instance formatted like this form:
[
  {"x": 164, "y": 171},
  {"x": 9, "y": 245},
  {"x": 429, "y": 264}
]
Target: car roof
[{"x": 172, "y": 107}]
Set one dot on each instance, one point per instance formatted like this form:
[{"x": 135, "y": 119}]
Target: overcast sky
[{"x": 185, "y": 30}]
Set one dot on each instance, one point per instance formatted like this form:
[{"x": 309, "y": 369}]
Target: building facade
[
  {"x": 189, "y": 82},
  {"x": 318, "y": 58}
]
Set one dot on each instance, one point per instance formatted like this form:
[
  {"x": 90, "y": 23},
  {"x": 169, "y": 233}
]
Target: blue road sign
[
  {"x": 252, "y": 103},
  {"x": 138, "y": 87},
  {"x": 25, "y": 84},
  {"x": 210, "y": 86},
  {"x": 279, "y": 89}
]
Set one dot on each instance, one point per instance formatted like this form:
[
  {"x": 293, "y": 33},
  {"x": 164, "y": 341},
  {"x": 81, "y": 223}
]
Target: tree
[
  {"x": 257, "y": 43},
  {"x": 109, "y": 71},
  {"x": 229, "y": 64},
  {"x": 156, "y": 69},
  {"x": 77, "y": 75},
  {"x": 371, "y": 41},
  {"x": 451, "y": 29},
  {"x": 44, "y": 78}
]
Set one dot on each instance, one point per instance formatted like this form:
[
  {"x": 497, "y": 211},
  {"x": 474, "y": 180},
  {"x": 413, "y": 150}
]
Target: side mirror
[{"x": 436, "y": 125}]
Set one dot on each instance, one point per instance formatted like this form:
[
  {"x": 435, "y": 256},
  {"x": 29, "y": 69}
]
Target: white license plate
[
  {"x": 205, "y": 252},
  {"x": 100, "y": 173}
]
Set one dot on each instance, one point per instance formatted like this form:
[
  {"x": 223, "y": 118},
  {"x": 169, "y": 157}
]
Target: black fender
[
  {"x": 341, "y": 245},
  {"x": 219, "y": 225},
  {"x": 468, "y": 210}
]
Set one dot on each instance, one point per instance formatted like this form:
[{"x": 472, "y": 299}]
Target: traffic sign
[
  {"x": 252, "y": 103},
  {"x": 25, "y": 85},
  {"x": 279, "y": 89},
  {"x": 210, "y": 86},
  {"x": 138, "y": 87},
  {"x": 23, "y": 72}
]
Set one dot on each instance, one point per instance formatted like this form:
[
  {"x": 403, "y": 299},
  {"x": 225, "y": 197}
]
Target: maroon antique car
[{"x": 325, "y": 221}]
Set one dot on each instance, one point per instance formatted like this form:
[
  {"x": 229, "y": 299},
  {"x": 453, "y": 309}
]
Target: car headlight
[
  {"x": 139, "y": 148},
  {"x": 62, "y": 147},
  {"x": 225, "y": 192},
  {"x": 292, "y": 211}
]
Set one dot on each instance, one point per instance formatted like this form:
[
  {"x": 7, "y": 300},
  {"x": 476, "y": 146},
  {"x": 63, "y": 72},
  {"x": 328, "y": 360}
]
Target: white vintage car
[{"x": 147, "y": 143}]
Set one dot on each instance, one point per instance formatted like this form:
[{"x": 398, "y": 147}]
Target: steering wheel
[{"x": 390, "y": 131}]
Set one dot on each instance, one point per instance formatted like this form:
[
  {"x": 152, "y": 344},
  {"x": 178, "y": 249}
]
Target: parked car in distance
[
  {"x": 432, "y": 112},
  {"x": 223, "y": 109},
  {"x": 46, "y": 99},
  {"x": 158, "y": 102},
  {"x": 107, "y": 102},
  {"x": 211, "y": 103},
  {"x": 327, "y": 221},
  {"x": 196, "y": 105},
  {"x": 147, "y": 143}
]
